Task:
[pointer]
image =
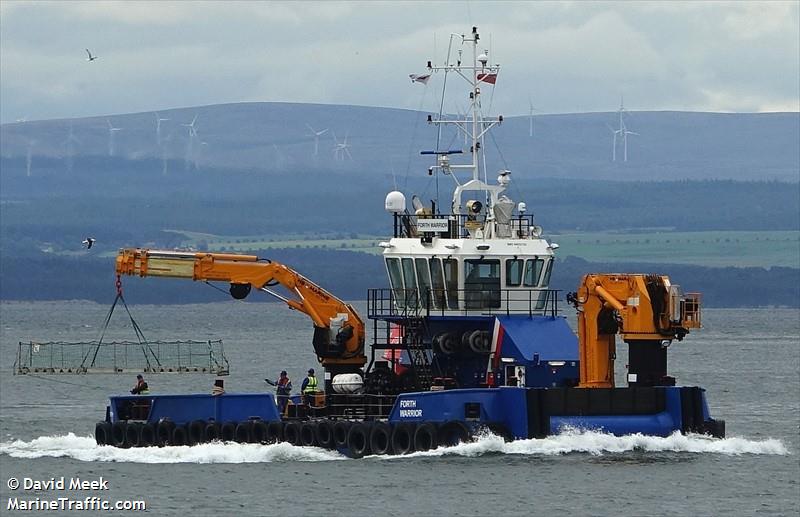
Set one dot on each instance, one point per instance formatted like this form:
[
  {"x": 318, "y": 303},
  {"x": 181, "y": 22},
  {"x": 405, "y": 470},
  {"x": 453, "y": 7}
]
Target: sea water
[{"x": 748, "y": 360}]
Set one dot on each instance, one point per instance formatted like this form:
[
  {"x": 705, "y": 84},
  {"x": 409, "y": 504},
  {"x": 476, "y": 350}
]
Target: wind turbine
[
  {"x": 316, "y": 134},
  {"x": 190, "y": 144},
  {"x": 111, "y": 132},
  {"x": 530, "y": 116},
  {"x": 69, "y": 147},
  {"x": 159, "y": 120},
  {"x": 622, "y": 132},
  {"x": 341, "y": 148},
  {"x": 29, "y": 157}
]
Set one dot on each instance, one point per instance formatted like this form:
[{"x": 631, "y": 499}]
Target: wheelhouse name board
[{"x": 433, "y": 225}]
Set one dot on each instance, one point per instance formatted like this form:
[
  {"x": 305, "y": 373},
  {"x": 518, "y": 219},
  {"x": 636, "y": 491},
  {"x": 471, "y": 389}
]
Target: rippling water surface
[{"x": 748, "y": 360}]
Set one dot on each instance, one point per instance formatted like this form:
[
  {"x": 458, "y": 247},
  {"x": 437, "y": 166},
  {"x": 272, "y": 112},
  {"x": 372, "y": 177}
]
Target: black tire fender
[
  {"x": 147, "y": 435},
  {"x": 164, "y": 433},
  {"x": 308, "y": 434},
  {"x": 180, "y": 436},
  {"x": 291, "y": 433},
  {"x": 358, "y": 440},
  {"x": 275, "y": 432},
  {"x": 426, "y": 437},
  {"x": 133, "y": 434},
  {"x": 340, "y": 431},
  {"x": 260, "y": 434},
  {"x": 196, "y": 431},
  {"x": 380, "y": 438},
  {"x": 213, "y": 432},
  {"x": 244, "y": 432},
  {"x": 454, "y": 432},
  {"x": 228, "y": 431},
  {"x": 102, "y": 433},
  {"x": 118, "y": 434},
  {"x": 403, "y": 438},
  {"x": 325, "y": 434}
]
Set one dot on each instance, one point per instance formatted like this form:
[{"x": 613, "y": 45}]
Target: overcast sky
[{"x": 566, "y": 56}]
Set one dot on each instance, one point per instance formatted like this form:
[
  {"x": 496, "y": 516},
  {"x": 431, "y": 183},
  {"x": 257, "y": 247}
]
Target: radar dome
[{"x": 395, "y": 202}]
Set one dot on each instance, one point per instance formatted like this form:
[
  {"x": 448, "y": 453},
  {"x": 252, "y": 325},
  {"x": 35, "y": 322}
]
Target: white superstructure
[{"x": 485, "y": 254}]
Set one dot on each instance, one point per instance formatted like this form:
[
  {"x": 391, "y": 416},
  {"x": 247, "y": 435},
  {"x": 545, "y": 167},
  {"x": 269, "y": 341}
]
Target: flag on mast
[
  {"x": 487, "y": 78},
  {"x": 419, "y": 78}
]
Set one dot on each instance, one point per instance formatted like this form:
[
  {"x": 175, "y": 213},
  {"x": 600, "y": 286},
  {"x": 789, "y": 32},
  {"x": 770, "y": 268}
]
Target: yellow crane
[
  {"x": 646, "y": 310},
  {"x": 338, "y": 329}
]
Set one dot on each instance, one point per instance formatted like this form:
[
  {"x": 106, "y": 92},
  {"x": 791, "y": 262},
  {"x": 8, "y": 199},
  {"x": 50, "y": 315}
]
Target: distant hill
[{"x": 275, "y": 138}]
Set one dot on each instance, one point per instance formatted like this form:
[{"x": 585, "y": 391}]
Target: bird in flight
[
  {"x": 91, "y": 57},
  {"x": 88, "y": 241}
]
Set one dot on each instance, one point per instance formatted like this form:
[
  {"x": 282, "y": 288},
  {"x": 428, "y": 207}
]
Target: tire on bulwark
[
  {"x": 244, "y": 432},
  {"x": 403, "y": 438},
  {"x": 259, "y": 432},
  {"x": 133, "y": 434},
  {"x": 118, "y": 434},
  {"x": 147, "y": 435},
  {"x": 213, "y": 432},
  {"x": 380, "y": 438},
  {"x": 340, "y": 430},
  {"x": 102, "y": 433},
  {"x": 164, "y": 433},
  {"x": 308, "y": 434},
  {"x": 180, "y": 436},
  {"x": 453, "y": 432},
  {"x": 275, "y": 432},
  {"x": 228, "y": 431},
  {"x": 291, "y": 433},
  {"x": 358, "y": 440},
  {"x": 196, "y": 431},
  {"x": 325, "y": 434},
  {"x": 426, "y": 437}
]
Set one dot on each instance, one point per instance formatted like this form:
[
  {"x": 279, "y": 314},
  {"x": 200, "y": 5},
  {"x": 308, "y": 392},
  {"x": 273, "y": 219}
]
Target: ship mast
[{"x": 476, "y": 74}]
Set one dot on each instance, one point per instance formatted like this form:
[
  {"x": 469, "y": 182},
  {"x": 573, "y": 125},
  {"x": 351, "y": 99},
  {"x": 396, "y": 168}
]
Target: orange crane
[
  {"x": 338, "y": 329},
  {"x": 646, "y": 310}
]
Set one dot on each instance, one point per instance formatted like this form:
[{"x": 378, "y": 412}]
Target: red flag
[
  {"x": 419, "y": 78},
  {"x": 487, "y": 78}
]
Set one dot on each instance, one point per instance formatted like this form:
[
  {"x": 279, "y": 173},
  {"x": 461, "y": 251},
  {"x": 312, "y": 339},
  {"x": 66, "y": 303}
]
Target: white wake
[{"x": 570, "y": 442}]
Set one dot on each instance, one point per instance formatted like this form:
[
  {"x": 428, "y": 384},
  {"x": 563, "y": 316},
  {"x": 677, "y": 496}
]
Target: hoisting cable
[{"x": 145, "y": 346}]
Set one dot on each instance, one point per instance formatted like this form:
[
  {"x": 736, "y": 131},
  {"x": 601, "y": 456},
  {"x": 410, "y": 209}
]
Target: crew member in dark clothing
[
  {"x": 283, "y": 389},
  {"x": 141, "y": 386}
]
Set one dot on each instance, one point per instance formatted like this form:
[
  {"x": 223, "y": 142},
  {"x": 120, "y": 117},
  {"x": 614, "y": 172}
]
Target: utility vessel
[{"x": 467, "y": 338}]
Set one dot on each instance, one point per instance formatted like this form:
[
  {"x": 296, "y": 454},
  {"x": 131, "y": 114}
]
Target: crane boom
[
  {"x": 338, "y": 329},
  {"x": 647, "y": 310}
]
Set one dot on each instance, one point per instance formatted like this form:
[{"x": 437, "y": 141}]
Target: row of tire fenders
[{"x": 353, "y": 438}]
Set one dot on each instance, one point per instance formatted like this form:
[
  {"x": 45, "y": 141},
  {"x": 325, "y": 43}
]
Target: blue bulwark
[{"x": 535, "y": 338}]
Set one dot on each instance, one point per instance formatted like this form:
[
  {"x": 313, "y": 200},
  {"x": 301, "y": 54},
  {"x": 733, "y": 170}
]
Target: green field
[{"x": 711, "y": 249}]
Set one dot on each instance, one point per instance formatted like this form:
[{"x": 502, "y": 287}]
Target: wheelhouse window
[
  {"x": 410, "y": 281},
  {"x": 546, "y": 277},
  {"x": 396, "y": 279},
  {"x": 482, "y": 284},
  {"x": 514, "y": 269},
  {"x": 533, "y": 270},
  {"x": 544, "y": 283},
  {"x": 437, "y": 280},
  {"x": 424, "y": 279},
  {"x": 451, "y": 282}
]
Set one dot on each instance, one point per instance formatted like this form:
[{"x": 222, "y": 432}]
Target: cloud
[{"x": 569, "y": 56}]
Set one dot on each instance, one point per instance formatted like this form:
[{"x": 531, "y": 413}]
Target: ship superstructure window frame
[
  {"x": 438, "y": 293},
  {"x": 451, "y": 268},
  {"x": 482, "y": 283},
  {"x": 410, "y": 280},
  {"x": 533, "y": 272},
  {"x": 423, "y": 280},
  {"x": 514, "y": 270},
  {"x": 396, "y": 279}
]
